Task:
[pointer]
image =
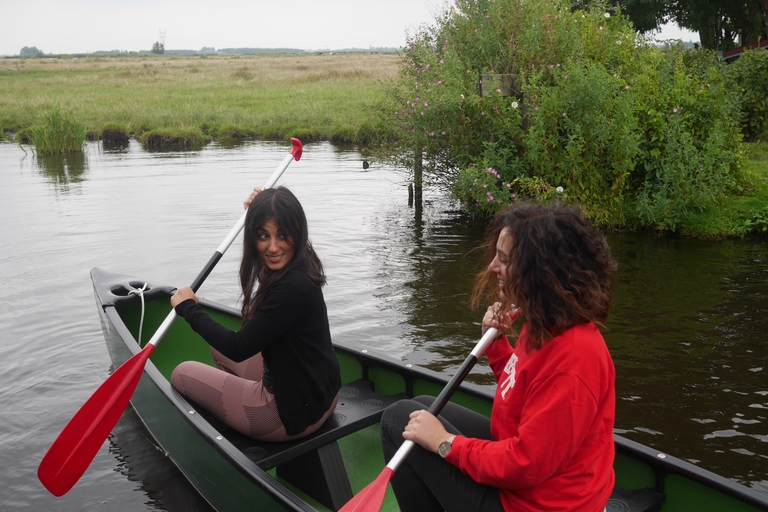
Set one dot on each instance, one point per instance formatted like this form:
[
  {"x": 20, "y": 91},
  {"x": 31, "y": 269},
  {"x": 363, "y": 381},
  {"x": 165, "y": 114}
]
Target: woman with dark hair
[
  {"x": 277, "y": 378},
  {"x": 549, "y": 442}
]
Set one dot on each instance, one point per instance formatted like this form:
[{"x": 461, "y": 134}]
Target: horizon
[{"x": 88, "y": 26}]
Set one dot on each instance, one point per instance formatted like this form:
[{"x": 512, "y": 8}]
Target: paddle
[
  {"x": 72, "y": 452},
  {"x": 371, "y": 497}
]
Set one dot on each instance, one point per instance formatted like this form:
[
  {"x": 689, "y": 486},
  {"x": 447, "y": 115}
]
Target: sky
[{"x": 83, "y": 26}]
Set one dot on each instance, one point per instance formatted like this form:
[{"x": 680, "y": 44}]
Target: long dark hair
[
  {"x": 561, "y": 271},
  {"x": 280, "y": 205}
]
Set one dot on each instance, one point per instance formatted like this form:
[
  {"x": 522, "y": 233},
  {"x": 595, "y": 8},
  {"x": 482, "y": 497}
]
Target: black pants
[{"x": 424, "y": 481}]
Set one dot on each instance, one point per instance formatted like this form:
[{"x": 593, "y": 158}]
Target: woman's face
[
  {"x": 274, "y": 249},
  {"x": 502, "y": 263}
]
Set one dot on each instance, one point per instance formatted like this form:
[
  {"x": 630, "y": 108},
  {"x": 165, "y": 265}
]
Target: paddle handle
[
  {"x": 295, "y": 154},
  {"x": 447, "y": 392}
]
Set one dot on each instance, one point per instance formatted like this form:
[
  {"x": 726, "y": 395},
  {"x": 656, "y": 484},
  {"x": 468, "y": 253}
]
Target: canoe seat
[
  {"x": 313, "y": 463},
  {"x": 639, "y": 500}
]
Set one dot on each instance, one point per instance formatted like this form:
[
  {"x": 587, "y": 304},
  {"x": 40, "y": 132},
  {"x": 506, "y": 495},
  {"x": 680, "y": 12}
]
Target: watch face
[{"x": 445, "y": 447}]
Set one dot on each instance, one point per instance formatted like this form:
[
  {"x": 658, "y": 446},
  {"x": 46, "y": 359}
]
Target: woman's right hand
[
  {"x": 500, "y": 322},
  {"x": 183, "y": 294}
]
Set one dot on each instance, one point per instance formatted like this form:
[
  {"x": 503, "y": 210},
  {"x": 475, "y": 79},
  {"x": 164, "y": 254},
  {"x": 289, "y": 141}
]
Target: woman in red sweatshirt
[{"x": 548, "y": 445}]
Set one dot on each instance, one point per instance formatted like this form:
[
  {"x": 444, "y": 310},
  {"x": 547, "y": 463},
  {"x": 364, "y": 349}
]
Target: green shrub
[
  {"x": 632, "y": 132},
  {"x": 748, "y": 78},
  {"x": 58, "y": 133}
]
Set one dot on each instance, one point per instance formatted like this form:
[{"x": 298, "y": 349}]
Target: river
[{"x": 687, "y": 334}]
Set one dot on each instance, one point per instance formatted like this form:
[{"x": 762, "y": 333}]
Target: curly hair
[
  {"x": 280, "y": 205},
  {"x": 560, "y": 274}
]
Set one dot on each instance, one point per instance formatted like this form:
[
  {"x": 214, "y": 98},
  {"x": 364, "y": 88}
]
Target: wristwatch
[{"x": 445, "y": 446}]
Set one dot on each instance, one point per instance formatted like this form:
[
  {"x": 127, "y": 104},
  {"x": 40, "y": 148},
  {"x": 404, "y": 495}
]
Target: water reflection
[
  {"x": 62, "y": 171},
  {"x": 687, "y": 338},
  {"x": 143, "y": 462}
]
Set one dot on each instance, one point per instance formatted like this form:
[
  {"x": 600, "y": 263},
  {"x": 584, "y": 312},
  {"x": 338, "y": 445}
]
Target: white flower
[
  {"x": 514, "y": 104},
  {"x": 462, "y": 96},
  {"x": 607, "y": 15},
  {"x": 559, "y": 189}
]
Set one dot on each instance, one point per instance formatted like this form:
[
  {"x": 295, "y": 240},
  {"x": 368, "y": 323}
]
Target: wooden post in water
[{"x": 418, "y": 172}]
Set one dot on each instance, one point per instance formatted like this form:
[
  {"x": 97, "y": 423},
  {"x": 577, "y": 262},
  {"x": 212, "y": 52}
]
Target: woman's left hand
[
  {"x": 247, "y": 202},
  {"x": 425, "y": 430}
]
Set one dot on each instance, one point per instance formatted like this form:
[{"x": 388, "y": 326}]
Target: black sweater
[{"x": 291, "y": 330}]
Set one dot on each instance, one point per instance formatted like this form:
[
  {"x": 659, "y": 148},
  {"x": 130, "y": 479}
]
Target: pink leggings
[{"x": 233, "y": 392}]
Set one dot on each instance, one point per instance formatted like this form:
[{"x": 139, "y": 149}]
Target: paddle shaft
[
  {"x": 225, "y": 244},
  {"x": 447, "y": 392}
]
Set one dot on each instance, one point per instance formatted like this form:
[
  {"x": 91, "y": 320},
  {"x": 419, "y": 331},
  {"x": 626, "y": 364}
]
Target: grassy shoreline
[
  {"x": 270, "y": 97},
  {"x": 314, "y": 97}
]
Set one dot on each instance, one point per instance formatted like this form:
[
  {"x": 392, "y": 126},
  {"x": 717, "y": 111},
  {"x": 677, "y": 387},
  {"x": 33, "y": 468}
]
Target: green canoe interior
[{"x": 361, "y": 451}]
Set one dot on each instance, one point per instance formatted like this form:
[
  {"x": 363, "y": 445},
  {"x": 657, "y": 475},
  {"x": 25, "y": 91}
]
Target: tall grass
[
  {"x": 314, "y": 97},
  {"x": 59, "y": 133}
]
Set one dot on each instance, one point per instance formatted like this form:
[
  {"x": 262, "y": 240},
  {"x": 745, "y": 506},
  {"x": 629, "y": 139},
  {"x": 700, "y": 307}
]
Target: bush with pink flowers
[{"x": 625, "y": 129}]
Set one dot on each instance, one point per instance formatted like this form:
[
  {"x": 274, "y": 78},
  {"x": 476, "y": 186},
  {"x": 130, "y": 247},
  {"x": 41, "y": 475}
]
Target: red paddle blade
[
  {"x": 371, "y": 498},
  {"x": 72, "y": 452},
  {"x": 296, "y": 149}
]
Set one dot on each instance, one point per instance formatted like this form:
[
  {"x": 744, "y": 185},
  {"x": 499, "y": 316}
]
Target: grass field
[{"x": 314, "y": 97}]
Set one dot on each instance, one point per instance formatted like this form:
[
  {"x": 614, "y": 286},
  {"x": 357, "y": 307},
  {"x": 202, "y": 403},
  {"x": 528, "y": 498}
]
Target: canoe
[{"x": 322, "y": 472}]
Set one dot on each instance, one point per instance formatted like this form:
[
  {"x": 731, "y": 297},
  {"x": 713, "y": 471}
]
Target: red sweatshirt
[{"x": 553, "y": 419}]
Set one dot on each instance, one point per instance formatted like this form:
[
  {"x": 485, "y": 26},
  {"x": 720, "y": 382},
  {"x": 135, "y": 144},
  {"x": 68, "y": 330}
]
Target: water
[{"x": 687, "y": 335}]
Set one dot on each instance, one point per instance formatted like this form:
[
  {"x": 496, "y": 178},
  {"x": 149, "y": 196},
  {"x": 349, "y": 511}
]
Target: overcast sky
[{"x": 82, "y": 26}]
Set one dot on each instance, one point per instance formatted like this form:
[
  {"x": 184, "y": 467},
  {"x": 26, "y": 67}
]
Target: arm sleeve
[
  {"x": 554, "y": 421},
  {"x": 276, "y": 315},
  {"x": 498, "y": 354}
]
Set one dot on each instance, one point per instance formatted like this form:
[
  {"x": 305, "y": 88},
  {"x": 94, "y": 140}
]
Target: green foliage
[
  {"x": 158, "y": 48},
  {"x": 58, "y": 133},
  {"x": 632, "y": 132},
  {"x": 748, "y": 77}
]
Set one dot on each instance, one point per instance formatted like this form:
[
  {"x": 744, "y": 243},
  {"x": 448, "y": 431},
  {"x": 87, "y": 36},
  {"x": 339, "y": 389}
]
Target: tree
[
  {"x": 158, "y": 48},
  {"x": 30, "y": 50},
  {"x": 718, "y": 22}
]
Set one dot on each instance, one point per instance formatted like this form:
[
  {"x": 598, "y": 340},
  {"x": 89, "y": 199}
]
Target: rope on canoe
[{"x": 140, "y": 293}]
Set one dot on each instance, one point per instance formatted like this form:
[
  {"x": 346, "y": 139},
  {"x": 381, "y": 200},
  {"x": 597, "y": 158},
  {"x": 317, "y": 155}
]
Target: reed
[
  {"x": 314, "y": 97},
  {"x": 59, "y": 133}
]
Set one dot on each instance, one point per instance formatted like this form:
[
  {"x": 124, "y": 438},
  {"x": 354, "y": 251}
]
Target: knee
[
  {"x": 399, "y": 412},
  {"x": 395, "y": 418},
  {"x": 182, "y": 369}
]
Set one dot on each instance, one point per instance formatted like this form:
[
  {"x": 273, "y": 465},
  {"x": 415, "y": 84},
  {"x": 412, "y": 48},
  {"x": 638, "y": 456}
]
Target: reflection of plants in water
[{"x": 62, "y": 170}]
